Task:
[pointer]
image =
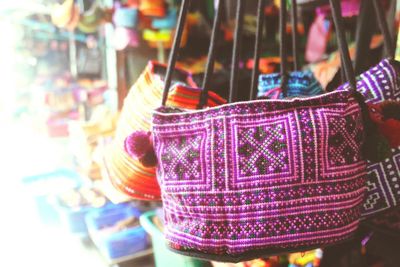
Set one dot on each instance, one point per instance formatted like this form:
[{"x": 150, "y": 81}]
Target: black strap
[
  {"x": 342, "y": 73},
  {"x": 256, "y": 59},
  {"x": 295, "y": 38},
  {"x": 365, "y": 23},
  {"x": 343, "y": 47},
  {"x": 211, "y": 57},
  {"x": 364, "y": 34},
  {"x": 236, "y": 51},
  {"x": 175, "y": 47},
  {"x": 283, "y": 46},
  {"x": 380, "y": 15}
]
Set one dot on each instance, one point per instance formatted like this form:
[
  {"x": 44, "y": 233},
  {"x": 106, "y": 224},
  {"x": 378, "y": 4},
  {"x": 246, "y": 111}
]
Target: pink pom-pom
[
  {"x": 149, "y": 159},
  {"x": 137, "y": 144}
]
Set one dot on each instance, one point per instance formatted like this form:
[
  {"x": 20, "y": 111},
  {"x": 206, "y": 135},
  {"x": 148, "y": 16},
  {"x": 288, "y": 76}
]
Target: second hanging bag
[
  {"x": 299, "y": 83},
  {"x": 378, "y": 85}
]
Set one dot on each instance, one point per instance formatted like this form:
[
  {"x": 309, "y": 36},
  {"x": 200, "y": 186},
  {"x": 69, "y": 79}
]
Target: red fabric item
[{"x": 388, "y": 124}]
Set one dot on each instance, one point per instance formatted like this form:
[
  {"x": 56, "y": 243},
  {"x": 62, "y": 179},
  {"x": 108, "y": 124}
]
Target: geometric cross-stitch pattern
[
  {"x": 263, "y": 150},
  {"x": 378, "y": 84},
  {"x": 245, "y": 179},
  {"x": 383, "y": 185},
  {"x": 344, "y": 143},
  {"x": 182, "y": 158}
]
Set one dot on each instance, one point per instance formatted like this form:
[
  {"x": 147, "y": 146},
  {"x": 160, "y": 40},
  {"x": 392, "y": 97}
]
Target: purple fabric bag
[
  {"x": 248, "y": 179},
  {"x": 268, "y": 174},
  {"x": 378, "y": 84}
]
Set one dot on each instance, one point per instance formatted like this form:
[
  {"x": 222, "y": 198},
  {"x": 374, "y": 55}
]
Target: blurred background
[{"x": 66, "y": 67}]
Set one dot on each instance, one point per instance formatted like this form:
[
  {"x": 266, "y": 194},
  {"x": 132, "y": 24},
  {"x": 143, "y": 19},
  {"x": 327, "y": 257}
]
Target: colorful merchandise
[
  {"x": 81, "y": 197},
  {"x": 318, "y": 38},
  {"x": 305, "y": 259},
  {"x": 125, "y": 37},
  {"x": 116, "y": 232},
  {"x": 86, "y": 137},
  {"x": 300, "y": 83},
  {"x": 91, "y": 19},
  {"x": 125, "y": 17},
  {"x": 65, "y": 15},
  {"x": 165, "y": 23},
  {"x": 349, "y": 8},
  {"x": 268, "y": 64},
  {"x": 164, "y": 37},
  {"x": 152, "y": 8}
]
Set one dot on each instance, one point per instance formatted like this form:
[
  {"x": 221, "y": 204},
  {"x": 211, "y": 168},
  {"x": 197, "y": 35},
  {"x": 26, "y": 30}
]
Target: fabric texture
[
  {"x": 378, "y": 84},
  {"x": 300, "y": 83},
  {"x": 243, "y": 180},
  {"x": 128, "y": 174}
]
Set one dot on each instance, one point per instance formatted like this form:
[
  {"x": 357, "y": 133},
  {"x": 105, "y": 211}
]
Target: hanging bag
[
  {"x": 248, "y": 179},
  {"x": 380, "y": 83},
  {"x": 135, "y": 176},
  {"x": 299, "y": 83}
]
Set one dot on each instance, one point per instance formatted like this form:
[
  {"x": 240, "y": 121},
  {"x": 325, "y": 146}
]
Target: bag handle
[
  {"x": 174, "y": 51},
  {"x": 175, "y": 48},
  {"x": 283, "y": 55},
  {"x": 282, "y": 48},
  {"x": 236, "y": 49},
  {"x": 295, "y": 36},
  {"x": 380, "y": 16},
  {"x": 211, "y": 57},
  {"x": 283, "y": 38},
  {"x": 363, "y": 33},
  {"x": 370, "y": 148},
  {"x": 343, "y": 47},
  {"x": 256, "y": 58}
]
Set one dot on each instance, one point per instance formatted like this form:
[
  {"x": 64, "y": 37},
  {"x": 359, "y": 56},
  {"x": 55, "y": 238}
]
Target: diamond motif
[
  {"x": 262, "y": 150},
  {"x": 343, "y": 143},
  {"x": 181, "y": 157}
]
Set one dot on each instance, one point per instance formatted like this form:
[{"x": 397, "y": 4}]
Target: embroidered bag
[
  {"x": 378, "y": 84},
  {"x": 247, "y": 179}
]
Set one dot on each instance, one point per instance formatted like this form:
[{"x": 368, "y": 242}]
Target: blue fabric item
[
  {"x": 300, "y": 83},
  {"x": 125, "y": 17},
  {"x": 168, "y": 22}
]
